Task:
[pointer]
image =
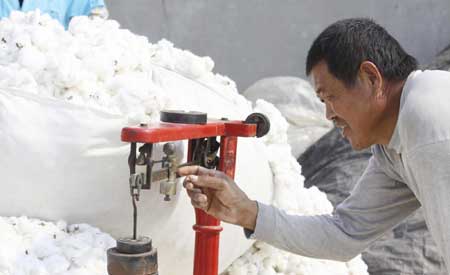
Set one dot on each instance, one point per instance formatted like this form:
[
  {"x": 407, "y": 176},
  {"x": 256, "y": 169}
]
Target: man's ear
[{"x": 370, "y": 74}]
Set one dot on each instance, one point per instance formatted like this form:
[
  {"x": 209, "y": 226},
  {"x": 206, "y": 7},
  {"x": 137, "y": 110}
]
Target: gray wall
[{"x": 253, "y": 39}]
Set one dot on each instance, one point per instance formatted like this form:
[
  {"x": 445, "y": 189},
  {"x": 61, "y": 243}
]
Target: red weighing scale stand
[{"x": 135, "y": 255}]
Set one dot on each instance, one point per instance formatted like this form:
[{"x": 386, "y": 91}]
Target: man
[
  {"x": 61, "y": 10},
  {"x": 374, "y": 94}
]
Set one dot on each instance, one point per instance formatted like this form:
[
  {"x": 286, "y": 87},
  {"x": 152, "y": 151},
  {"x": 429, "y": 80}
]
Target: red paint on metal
[
  {"x": 237, "y": 130},
  {"x": 228, "y": 147},
  {"x": 206, "y": 255},
  {"x": 162, "y": 132},
  {"x": 207, "y": 228}
]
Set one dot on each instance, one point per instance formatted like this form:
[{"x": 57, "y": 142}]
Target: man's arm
[{"x": 376, "y": 204}]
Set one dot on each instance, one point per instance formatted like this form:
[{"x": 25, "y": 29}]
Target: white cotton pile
[
  {"x": 263, "y": 259},
  {"x": 30, "y": 246},
  {"x": 97, "y": 64},
  {"x": 290, "y": 195},
  {"x": 298, "y": 103},
  {"x": 94, "y": 63}
]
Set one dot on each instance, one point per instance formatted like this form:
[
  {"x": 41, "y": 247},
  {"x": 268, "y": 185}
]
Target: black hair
[{"x": 347, "y": 43}]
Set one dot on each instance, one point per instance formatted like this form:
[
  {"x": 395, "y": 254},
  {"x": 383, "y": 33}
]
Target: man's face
[{"x": 353, "y": 110}]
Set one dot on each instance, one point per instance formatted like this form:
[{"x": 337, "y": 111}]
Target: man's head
[{"x": 354, "y": 65}]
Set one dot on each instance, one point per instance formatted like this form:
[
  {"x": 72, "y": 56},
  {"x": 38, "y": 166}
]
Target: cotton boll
[
  {"x": 6, "y": 74},
  {"x": 103, "y": 100},
  {"x": 25, "y": 81},
  {"x": 45, "y": 20},
  {"x": 12, "y": 246},
  {"x": 7, "y": 229},
  {"x": 75, "y": 246},
  {"x": 101, "y": 63},
  {"x": 269, "y": 262},
  {"x": 79, "y": 25},
  {"x": 17, "y": 17},
  {"x": 267, "y": 271},
  {"x": 33, "y": 18},
  {"x": 126, "y": 61},
  {"x": 6, "y": 26},
  {"x": 138, "y": 84},
  {"x": 162, "y": 54},
  {"x": 29, "y": 265},
  {"x": 18, "y": 39},
  {"x": 43, "y": 245},
  {"x": 24, "y": 226},
  {"x": 68, "y": 71},
  {"x": 81, "y": 239},
  {"x": 135, "y": 95},
  {"x": 85, "y": 259},
  {"x": 193, "y": 66},
  {"x": 252, "y": 269},
  {"x": 43, "y": 39},
  {"x": 56, "y": 264},
  {"x": 74, "y": 97},
  {"x": 111, "y": 25},
  {"x": 129, "y": 105},
  {"x": 31, "y": 59},
  {"x": 281, "y": 264}
]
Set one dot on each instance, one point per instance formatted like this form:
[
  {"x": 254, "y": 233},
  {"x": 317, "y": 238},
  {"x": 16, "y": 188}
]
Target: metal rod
[
  {"x": 132, "y": 158},
  {"x": 134, "y": 219},
  {"x": 132, "y": 165}
]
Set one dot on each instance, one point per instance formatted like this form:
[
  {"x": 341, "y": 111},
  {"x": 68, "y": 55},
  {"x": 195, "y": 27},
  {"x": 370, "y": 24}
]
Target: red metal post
[
  {"x": 207, "y": 228},
  {"x": 228, "y": 147}
]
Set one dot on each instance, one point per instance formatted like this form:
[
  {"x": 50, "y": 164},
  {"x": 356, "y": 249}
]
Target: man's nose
[{"x": 329, "y": 112}]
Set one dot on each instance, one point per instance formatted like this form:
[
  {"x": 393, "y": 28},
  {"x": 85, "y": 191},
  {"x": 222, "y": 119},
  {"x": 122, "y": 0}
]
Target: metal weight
[
  {"x": 191, "y": 117},
  {"x": 133, "y": 257},
  {"x": 261, "y": 121}
]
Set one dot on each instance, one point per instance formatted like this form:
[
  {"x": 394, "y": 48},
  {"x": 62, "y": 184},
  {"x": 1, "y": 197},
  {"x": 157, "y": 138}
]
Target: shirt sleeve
[
  {"x": 376, "y": 204},
  {"x": 430, "y": 167}
]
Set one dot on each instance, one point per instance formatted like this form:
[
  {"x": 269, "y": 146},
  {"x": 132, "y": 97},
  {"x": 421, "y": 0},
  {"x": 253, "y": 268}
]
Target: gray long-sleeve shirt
[{"x": 413, "y": 170}]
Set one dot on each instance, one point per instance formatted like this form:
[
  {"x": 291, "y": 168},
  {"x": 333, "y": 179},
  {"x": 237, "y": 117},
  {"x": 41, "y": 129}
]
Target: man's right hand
[{"x": 219, "y": 196}]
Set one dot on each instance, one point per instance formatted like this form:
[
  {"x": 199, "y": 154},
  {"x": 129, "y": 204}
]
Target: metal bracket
[{"x": 136, "y": 182}]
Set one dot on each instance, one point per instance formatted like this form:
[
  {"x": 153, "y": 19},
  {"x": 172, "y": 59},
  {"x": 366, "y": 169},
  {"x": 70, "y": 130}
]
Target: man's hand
[{"x": 219, "y": 196}]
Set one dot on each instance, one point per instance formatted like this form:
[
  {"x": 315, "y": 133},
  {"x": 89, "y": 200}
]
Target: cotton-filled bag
[{"x": 59, "y": 160}]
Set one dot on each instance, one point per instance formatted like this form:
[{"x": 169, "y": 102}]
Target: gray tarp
[{"x": 332, "y": 166}]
